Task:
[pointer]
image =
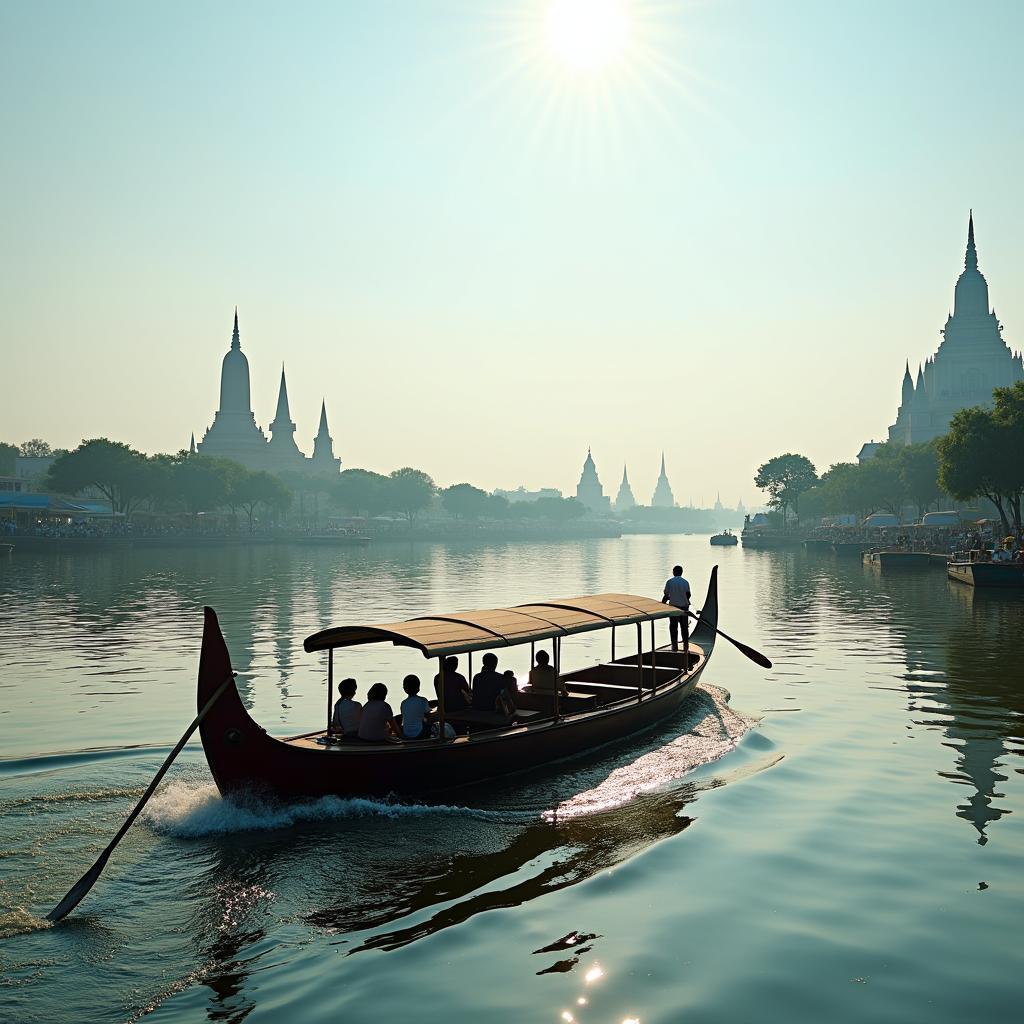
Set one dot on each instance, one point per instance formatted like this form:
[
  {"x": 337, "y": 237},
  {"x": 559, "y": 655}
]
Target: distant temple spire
[
  {"x": 235, "y": 340},
  {"x": 284, "y": 450},
  {"x": 589, "y": 491},
  {"x": 323, "y": 447},
  {"x": 283, "y": 413},
  {"x": 971, "y": 257},
  {"x": 624, "y": 500},
  {"x": 663, "y": 496},
  {"x": 192, "y": 445}
]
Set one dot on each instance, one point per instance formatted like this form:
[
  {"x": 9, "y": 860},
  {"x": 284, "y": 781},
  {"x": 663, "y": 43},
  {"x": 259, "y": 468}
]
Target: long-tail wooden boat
[{"x": 606, "y": 702}]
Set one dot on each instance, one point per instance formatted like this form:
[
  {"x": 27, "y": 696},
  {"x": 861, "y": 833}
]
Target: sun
[{"x": 587, "y": 35}]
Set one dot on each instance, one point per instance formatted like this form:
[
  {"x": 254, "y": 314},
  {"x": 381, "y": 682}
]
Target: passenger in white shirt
[
  {"x": 677, "y": 594},
  {"x": 415, "y": 711},
  {"x": 347, "y": 711}
]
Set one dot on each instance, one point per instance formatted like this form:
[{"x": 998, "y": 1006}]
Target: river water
[{"x": 840, "y": 838}]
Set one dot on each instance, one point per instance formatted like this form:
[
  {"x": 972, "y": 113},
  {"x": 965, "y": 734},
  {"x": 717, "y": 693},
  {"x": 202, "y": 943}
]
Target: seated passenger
[
  {"x": 456, "y": 688},
  {"x": 489, "y": 686},
  {"x": 377, "y": 724},
  {"x": 508, "y": 695},
  {"x": 543, "y": 678},
  {"x": 415, "y": 711},
  {"x": 347, "y": 711}
]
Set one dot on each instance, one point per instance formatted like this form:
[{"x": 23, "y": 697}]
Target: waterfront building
[
  {"x": 624, "y": 500},
  {"x": 663, "y": 497},
  {"x": 589, "y": 491},
  {"x": 235, "y": 435},
  {"x": 971, "y": 360},
  {"x": 522, "y": 494}
]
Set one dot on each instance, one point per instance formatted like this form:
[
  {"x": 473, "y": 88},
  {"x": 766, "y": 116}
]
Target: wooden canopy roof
[{"x": 461, "y": 632}]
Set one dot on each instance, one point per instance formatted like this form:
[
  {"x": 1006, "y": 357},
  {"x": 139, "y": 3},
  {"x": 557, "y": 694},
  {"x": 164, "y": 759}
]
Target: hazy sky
[{"x": 724, "y": 243}]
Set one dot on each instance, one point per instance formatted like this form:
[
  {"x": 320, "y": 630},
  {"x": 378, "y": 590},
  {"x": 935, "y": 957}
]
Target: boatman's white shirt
[{"x": 677, "y": 590}]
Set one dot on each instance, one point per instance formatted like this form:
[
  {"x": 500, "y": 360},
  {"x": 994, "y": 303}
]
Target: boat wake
[
  {"x": 710, "y": 730},
  {"x": 19, "y": 921},
  {"x": 190, "y": 811}
]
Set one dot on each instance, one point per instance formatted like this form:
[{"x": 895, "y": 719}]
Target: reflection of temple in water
[{"x": 960, "y": 647}]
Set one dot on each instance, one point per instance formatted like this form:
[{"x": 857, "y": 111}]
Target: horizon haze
[{"x": 716, "y": 230}]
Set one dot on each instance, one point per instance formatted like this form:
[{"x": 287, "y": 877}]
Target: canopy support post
[
  {"x": 654, "y": 663},
  {"x": 639, "y": 661},
  {"x": 330, "y": 687},
  {"x": 440, "y": 700},
  {"x": 557, "y": 650},
  {"x": 613, "y": 643}
]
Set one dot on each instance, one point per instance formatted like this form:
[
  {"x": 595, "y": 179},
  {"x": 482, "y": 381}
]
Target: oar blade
[
  {"x": 755, "y": 656},
  {"x": 79, "y": 890}
]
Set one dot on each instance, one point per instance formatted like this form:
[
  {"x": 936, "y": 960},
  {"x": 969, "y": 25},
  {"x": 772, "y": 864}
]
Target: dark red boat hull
[{"x": 242, "y": 756}]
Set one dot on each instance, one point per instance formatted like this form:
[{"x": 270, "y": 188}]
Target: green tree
[
  {"x": 250, "y": 490},
  {"x": 919, "y": 474},
  {"x": 983, "y": 454},
  {"x": 785, "y": 478},
  {"x": 839, "y": 488},
  {"x": 202, "y": 483},
  {"x": 8, "y": 453},
  {"x": 498, "y": 506},
  {"x": 558, "y": 510},
  {"x": 37, "y": 448},
  {"x": 411, "y": 491},
  {"x": 120, "y": 473},
  {"x": 878, "y": 487},
  {"x": 464, "y": 501},
  {"x": 362, "y": 492}
]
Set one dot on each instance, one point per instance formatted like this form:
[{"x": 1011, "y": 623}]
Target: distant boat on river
[{"x": 725, "y": 539}]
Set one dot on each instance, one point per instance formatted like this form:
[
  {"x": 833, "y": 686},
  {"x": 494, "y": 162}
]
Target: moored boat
[
  {"x": 606, "y": 702},
  {"x": 817, "y": 544},
  {"x": 725, "y": 539},
  {"x": 850, "y": 548},
  {"x": 998, "y": 575},
  {"x": 898, "y": 560}
]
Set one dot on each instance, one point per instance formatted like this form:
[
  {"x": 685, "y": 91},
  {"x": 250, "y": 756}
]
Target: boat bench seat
[
  {"x": 622, "y": 673},
  {"x": 665, "y": 657},
  {"x": 605, "y": 693},
  {"x": 543, "y": 702}
]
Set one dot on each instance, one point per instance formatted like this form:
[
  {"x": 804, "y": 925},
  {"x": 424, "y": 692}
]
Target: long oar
[
  {"x": 755, "y": 656},
  {"x": 78, "y": 891}
]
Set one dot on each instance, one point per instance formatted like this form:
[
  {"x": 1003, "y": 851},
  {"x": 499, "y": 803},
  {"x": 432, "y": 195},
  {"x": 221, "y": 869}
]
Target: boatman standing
[{"x": 677, "y": 594}]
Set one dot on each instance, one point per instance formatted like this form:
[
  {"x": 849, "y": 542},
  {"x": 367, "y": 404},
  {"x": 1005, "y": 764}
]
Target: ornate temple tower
[
  {"x": 233, "y": 433},
  {"x": 971, "y": 360},
  {"x": 283, "y": 453},
  {"x": 323, "y": 461},
  {"x": 624, "y": 500},
  {"x": 589, "y": 491},
  {"x": 663, "y": 497}
]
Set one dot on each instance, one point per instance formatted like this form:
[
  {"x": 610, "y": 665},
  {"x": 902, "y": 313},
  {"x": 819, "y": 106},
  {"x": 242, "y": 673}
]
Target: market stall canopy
[{"x": 461, "y": 632}]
